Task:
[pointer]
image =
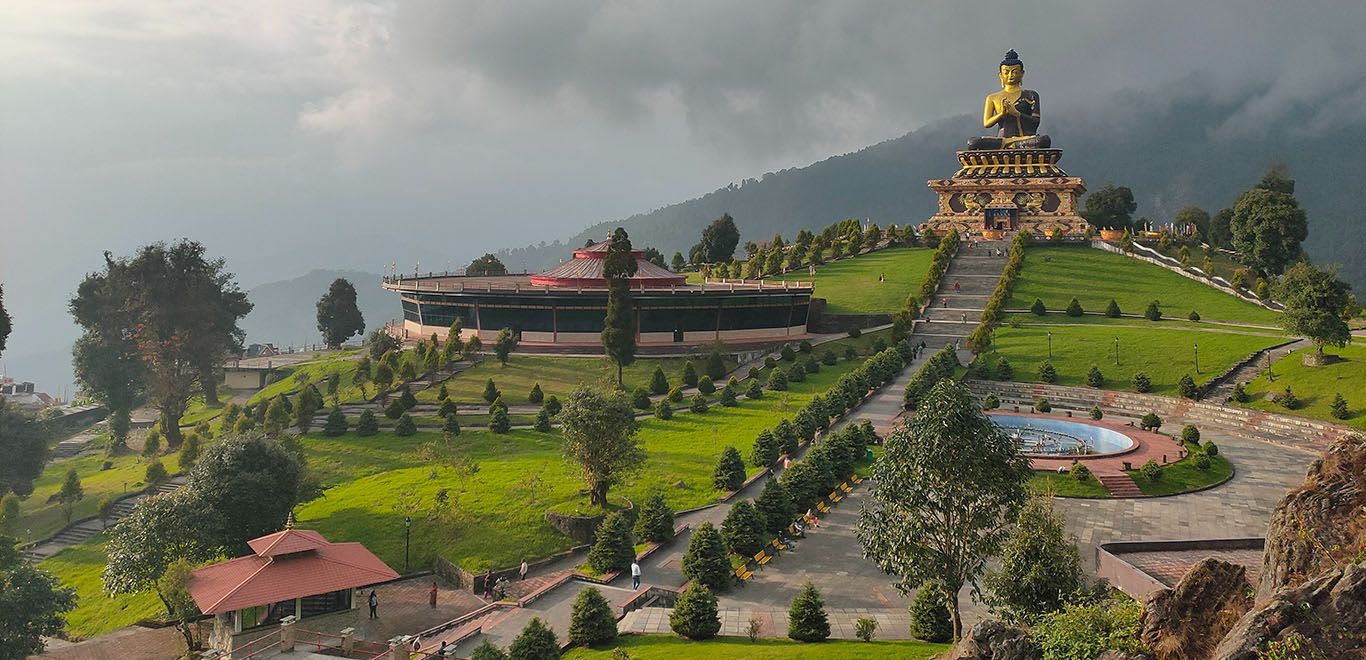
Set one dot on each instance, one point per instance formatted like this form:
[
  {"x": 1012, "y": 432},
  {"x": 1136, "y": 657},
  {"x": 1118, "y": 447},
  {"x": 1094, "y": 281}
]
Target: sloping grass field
[
  {"x": 668, "y": 647},
  {"x": 1055, "y": 275},
  {"x": 1315, "y": 386},
  {"x": 851, "y": 286},
  {"x": 557, "y": 375},
  {"x": 79, "y": 568}
]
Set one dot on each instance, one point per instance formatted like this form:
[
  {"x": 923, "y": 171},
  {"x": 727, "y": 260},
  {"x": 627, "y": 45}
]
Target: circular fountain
[{"x": 1047, "y": 437}]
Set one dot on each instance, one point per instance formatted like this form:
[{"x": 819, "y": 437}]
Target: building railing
[{"x": 438, "y": 283}]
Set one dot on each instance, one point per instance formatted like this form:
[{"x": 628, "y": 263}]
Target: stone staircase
[
  {"x": 83, "y": 530},
  {"x": 1119, "y": 484},
  {"x": 1250, "y": 369},
  {"x": 956, "y": 308}
]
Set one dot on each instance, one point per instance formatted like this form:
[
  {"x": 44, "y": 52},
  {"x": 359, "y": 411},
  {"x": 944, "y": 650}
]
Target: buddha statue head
[{"x": 1012, "y": 70}]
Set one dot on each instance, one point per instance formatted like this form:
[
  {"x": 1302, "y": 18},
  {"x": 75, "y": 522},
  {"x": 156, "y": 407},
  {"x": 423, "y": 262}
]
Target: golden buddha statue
[{"x": 1013, "y": 111}]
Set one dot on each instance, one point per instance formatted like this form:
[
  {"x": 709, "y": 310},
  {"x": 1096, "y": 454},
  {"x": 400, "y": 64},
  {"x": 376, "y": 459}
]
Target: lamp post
[
  {"x": 407, "y": 534},
  {"x": 1116, "y": 351},
  {"x": 1197, "y": 358},
  {"x": 1050, "y": 344}
]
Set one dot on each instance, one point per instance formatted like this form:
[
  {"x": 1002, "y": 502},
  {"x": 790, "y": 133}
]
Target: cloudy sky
[{"x": 316, "y": 133}]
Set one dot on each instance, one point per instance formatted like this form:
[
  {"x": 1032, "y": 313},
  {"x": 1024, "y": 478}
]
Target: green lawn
[
  {"x": 79, "y": 567},
  {"x": 668, "y": 647},
  {"x": 851, "y": 286},
  {"x": 521, "y": 474},
  {"x": 557, "y": 375},
  {"x": 1182, "y": 476},
  {"x": 1063, "y": 485},
  {"x": 41, "y": 518},
  {"x": 317, "y": 372},
  {"x": 1057, "y": 274},
  {"x": 1315, "y": 386},
  {"x": 1164, "y": 354}
]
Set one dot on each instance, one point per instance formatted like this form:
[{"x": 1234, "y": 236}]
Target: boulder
[
  {"x": 994, "y": 640},
  {"x": 1187, "y": 622},
  {"x": 1322, "y": 618},
  {"x": 1319, "y": 525}
]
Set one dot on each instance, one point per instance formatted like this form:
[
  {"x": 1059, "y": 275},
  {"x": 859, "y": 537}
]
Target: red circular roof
[{"x": 586, "y": 269}]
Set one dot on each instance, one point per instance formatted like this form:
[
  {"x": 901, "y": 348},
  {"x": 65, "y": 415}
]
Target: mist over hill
[
  {"x": 1173, "y": 148},
  {"x": 285, "y": 312}
]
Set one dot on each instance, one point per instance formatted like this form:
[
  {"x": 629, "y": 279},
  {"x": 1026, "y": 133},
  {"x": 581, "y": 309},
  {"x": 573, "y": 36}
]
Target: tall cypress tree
[{"x": 619, "y": 328}]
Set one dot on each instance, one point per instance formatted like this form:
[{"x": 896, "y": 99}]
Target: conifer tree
[
  {"x": 659, "y": 383},
  {"x": 613, "y": 549},
  {"x": 536, "y": 395},
  {"x": 450, "y": 424},
  {"x": 705, "y": 561},
  {"x": 656, "y": 521},
  {"x": 663, "y": 410},
  {"x": 336, "y": 423},
  {"x": 765, "y": 450},
  {"x": 806, "y": 619},
  {"x": 491, "y": 391},
  {"x": 619, "y": 328},
  {"x": 405, "y": 426},
  {"x": 695, "y": 615},
  {"x": 930, "y": 619},
  {"x": 689, "y": 374},
  {"x": 367, "y": 424},
  {"x": 591, "y": 621},
  {"x": 536, "y": 642},
  {"x": 776, "y": 506},
  {"x": 716, "y": 367},
  {"x": 729, "y": 474},
  {"x": 743, "y": 530}
]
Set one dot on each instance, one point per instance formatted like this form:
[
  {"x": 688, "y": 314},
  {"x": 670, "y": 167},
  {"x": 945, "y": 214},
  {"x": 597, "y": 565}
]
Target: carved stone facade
[{"x": 1009, "y": 190}]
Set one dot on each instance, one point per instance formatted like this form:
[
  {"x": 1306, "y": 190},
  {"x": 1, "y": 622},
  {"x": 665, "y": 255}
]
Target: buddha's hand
[{"x": 1010, "y": 109}]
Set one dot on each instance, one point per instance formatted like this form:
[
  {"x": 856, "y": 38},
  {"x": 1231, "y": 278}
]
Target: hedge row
[
  {"x": 941, "y": 365},
  {"x": 939, "y": 264},
  {"x": 981, "y": 336}
]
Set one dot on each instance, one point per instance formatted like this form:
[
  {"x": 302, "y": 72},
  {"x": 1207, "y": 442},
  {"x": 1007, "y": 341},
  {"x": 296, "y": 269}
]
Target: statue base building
[{"x": 1005, "y": 190}]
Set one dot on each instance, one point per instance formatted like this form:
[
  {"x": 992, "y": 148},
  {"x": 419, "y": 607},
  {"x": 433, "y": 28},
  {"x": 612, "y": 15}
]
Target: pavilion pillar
[
  {"x": 398, "y": 648},
  {"x": 348, "y": 641},
  {"x": 288, "y": 633}
]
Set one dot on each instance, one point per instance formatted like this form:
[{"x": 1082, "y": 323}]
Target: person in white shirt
[{"x": 635, "y": 575}]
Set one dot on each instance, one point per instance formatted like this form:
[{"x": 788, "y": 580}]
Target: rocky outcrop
[
  {"x": 1322, "y": 618},
  {"x": 993, "y": 640},
  {"x": 1322, "y": 523},
  {"x": 1187, "y": 622}
]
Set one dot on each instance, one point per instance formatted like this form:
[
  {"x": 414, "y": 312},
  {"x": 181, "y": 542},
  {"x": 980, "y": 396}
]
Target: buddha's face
[{"x": 1012, "y": 75}]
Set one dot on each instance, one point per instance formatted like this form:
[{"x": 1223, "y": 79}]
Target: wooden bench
[
  {"x": 823, "y": 507},
  {"x": 762, "y": 557},
  {"x": 846, "y": 488},
  {"x": 743, "y": 574}
]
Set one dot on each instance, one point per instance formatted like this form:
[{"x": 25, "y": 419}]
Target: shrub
[
  {"x": 787, "y": 353},
  {"x": 766, "y": 449},
  {"x": 1142, "y": 383},
  {"x": 991, "y": 402},
  {"x": 613, "y": 549},
  {"x": 689, "y": 374},
  {"x": 1153, "y": 312},
  {"x": 776, "y": 506},
  {"x": 1094, "y": 377},
  {"x": 450, "y": 424},
  {"x": 675, "y": 395},
  {"x": 656, "y": 521},
  {"x": 155, "y": 474},
  {"x": 705, "y": 386},
  {"x": 1074, "y": 308},
  {"x": 1210, "y": 448},
  {"x": 498, "y": 419},
  {"x": 787, "y": 434},
  {"x": 699, "y": 404},
  {"x": 811, "y": 366},
  {"x": 535, "y": 642},
  {"x": 1113, "y": 310},
  {"x": 754, "y": 391},
  {"x": 804, "y": 347},
  {"x": 1262, "y": 290},
  {"x": 695, "y": 615},
  {"x": 1004, "y": 371},
  {"x": 1194, "y": 315},
  {"x": 930, "y": 620},
  {"x": 796, "y": 373},
  {"x": 663, "y": 410},
  {"x": 487, "y": 651},
  {"x": 1339, "y": 407},
  {"x": 865, "y": 627},
  {"x": 406, "y": 397},
  {"x": 336, "y": 423},
  {"x": 552, "y": 405},
  {"x": 1289, "y": 400},
  {"x": 1187, "y": 387},
  {"x": 189, "y": 451},
  {"x": 448, "y": 407},
  {"x": 1042, "y": 405},
  {"x": 705, "y": 561},
  {"x": 855, "y": 333},
  {"x": 1079, "y": 471},
  {"x": 769, "y": 362},
  {"x": 1150, "y": 422},
  {"x": 806, "y": 619},
  {"x": 1190, "y": 435},
  {"x": 1240, "y": 393},
  {"x": 743, "y": 530},
  {"x": 591, "y": 621},
  {"x": 542, "y": 424},
  {"x": 659, "y": 383},
  {"x": 1047, "y": 373},
  {"x": 1086, "y": 630},
  {"x": 367, "y": 424},
  {"x": 1202, "y": 461},
  {"x": 535, "y": 396},
  {"x": 879, "y": 345},
  {"x": 405, "y": 426},
  {"x": 850, "y": 352},
  {"x": 1037, "y": 308},
  {"x": 715, "y": 367},
  {"x": 754, "y": 373},
  {"x": 729, "y": 474},
  {"x": 727, "y": 397},
  {"x": 777, "y": 380},
  {"x": 1151, "y": 470},
  {"x": 828, "y": 357},
  {"x": 394, "y": 410},
  {"x": 640, "y": 398},
  {"x": 1096, "y": 413}
]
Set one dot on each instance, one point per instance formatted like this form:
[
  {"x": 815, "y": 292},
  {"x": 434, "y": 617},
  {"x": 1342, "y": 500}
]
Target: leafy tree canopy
[
  {"x": 33, "y": 603},
  {"x": 1267, "y": 225},
  {"x": 486, "y": 265},
  {"x": 339, "y": 318},
  {"x": 600, "y": 439},
  {"x": 1317, "y": 305},
  {"x": 1111, "y": 207},
  {"x": 718, "y": 241}
]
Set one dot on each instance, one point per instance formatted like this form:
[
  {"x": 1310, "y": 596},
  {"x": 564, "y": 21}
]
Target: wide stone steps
[
  {"x": 954, "y": 314},
  {"x": 1119, "y": 484}
]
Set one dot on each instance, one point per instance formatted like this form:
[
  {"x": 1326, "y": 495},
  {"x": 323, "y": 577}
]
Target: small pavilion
[{"x": 293, "y": 573}]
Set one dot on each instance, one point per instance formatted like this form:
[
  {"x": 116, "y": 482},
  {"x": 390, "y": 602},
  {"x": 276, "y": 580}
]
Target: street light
[
  {"x": 1116, "y": 351},
  {"x": 407, "y": 534},
  {"x": 1050, "y": 344},
  {"x": 1197, "y": 358}
]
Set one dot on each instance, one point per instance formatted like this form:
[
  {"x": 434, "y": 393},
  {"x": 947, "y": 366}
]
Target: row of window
[{"x": 560, "y": 319}]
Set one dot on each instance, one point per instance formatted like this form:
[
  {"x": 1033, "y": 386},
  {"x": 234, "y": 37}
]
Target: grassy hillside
[
  {"x": 851, "y": 286},
  {"x": 1055, "y": 275},
  {"x": 668, "y": 647},
  {"x": 1315, "y": 386},
  {"x": 557, "y": 375}
]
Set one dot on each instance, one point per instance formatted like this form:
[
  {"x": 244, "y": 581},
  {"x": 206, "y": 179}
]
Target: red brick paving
[{"x": 1168, "y": 566}]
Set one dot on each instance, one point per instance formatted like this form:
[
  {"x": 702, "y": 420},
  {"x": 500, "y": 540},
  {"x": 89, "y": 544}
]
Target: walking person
[
  {"x": 521, "y": 571},
  {"x": 374, "y": 604},
  {"x": 957, "y": 287},
  {"x": 432, "y": 598},
  {"x": 488, "y": 584},
  {"x": 635, "y": 574}
]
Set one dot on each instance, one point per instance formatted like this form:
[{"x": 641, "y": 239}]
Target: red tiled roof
[
  {"x": 260, "y": 579},
  {"x": 586, "y": 269}
]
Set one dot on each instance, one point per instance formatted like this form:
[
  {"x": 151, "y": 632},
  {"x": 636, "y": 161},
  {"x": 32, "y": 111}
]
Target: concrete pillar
[
  {"x": 398, "y": 648},
  {"x": 348, "y": 641},
  {"x": 288, "y": 633}
]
